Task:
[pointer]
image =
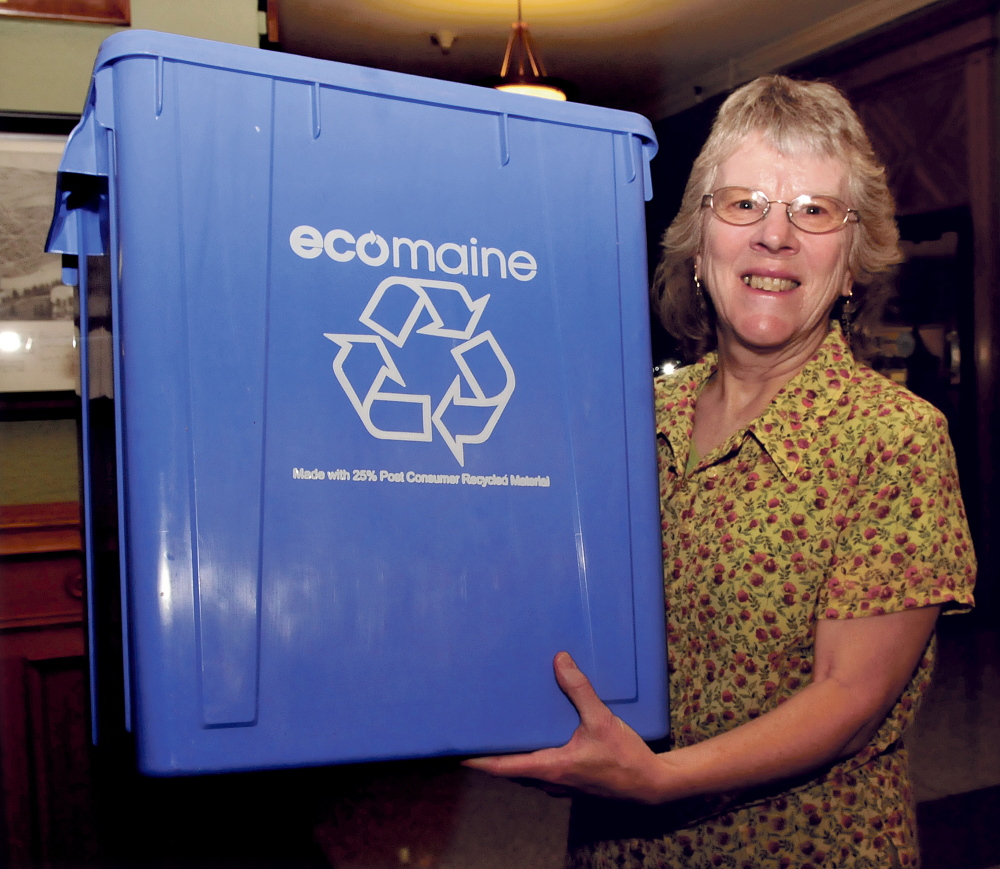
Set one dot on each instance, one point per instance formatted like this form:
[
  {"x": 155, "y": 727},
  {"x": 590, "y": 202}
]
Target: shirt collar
[
  {"x": 796, "y": 416},
  {"x": 793, "y": 420}
]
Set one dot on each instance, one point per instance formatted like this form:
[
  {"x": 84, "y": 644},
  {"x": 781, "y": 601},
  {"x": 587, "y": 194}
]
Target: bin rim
[{"x": 369, "y": 80}]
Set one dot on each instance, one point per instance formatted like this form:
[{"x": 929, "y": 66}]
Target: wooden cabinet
[{"x": 44, "y": 732}]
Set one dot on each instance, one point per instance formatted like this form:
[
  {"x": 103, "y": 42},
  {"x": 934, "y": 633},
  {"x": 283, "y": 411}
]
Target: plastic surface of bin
[{"x": 384, "y": 405}]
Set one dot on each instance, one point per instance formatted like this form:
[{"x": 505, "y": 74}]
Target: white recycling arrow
[
  {"x": 422, "y": 303},
  {"x": 388, "y": 371},
  {"x": 453, "y": 396},
  {"x": 462, "y": 315}
]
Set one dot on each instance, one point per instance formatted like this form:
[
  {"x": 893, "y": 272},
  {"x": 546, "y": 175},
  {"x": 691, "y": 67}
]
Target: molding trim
[
  {"x": 853, "y": 21},
  {"x": 964, "y": 39},
  {"x": 95, "y": 11},
  {"x": 28, "y": 529}
]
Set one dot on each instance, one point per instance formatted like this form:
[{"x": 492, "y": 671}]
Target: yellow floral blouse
[{"x": 840, "y": 501}]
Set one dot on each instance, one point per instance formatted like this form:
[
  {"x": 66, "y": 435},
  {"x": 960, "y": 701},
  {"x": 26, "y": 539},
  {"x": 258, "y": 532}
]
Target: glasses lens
[
  {"x": 739, "y": 205},
  {"x": 817, "y": 213}
]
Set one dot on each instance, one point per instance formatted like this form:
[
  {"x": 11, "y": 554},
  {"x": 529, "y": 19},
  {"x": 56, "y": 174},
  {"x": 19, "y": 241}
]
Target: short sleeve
[{"x": 902, "y": 539}]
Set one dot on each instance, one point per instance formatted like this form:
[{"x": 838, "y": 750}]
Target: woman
[{"x": 812, "y": 526}]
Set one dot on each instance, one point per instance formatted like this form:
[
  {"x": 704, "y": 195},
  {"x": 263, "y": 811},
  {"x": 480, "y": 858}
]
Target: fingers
[
  {"x": 532, "y": 765},
  {"x": 522, "y": 769},
  {"x": 495, "y": 765}
]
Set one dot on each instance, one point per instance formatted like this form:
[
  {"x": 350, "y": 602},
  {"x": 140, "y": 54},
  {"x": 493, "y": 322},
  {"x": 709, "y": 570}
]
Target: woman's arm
[{"x": 861, "y": 667}]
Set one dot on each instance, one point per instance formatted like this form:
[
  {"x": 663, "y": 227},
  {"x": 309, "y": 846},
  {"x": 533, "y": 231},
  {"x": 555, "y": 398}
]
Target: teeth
[{"x": 770, "y": 285}]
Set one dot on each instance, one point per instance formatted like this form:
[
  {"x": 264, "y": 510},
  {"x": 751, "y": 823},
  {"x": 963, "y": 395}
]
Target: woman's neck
[{"x": 739, "y": 391}]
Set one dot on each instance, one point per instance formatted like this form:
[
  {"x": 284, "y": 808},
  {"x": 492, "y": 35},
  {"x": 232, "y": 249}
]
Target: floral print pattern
[{"x": 840, "y": 501}]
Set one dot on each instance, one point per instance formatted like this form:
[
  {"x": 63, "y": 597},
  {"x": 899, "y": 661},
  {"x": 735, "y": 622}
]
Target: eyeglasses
[{"x": 741, "y": 206}]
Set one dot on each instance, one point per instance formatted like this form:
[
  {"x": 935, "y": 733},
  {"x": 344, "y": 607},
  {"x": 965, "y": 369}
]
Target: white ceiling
[{"x": 652, "y": 56}]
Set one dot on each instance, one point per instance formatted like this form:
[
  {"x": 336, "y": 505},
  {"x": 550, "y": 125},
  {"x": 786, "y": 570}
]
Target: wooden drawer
[{"x": 41, "y": 590}]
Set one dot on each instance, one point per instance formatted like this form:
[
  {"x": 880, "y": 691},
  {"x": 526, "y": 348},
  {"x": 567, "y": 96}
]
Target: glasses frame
[{"x": 851, "y": 215}]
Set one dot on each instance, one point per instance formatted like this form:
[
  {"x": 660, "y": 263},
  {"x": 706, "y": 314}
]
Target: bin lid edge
[{"x": 243, "y": 58}]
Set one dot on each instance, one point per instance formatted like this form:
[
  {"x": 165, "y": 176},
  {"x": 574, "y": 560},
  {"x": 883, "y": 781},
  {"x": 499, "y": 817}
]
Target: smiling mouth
[{"x": 770, "y": 285}]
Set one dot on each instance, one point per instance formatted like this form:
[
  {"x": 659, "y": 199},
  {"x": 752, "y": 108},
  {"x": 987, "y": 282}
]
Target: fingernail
[{"x": 566, "y": 660}]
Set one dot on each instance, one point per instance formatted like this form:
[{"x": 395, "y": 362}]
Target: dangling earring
[
  {"x": 697, "y": 285},
  {"x": 846, "y": 313}
]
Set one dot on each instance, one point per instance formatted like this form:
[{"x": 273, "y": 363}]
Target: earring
[
  {"x": 846, "y": 313},
  {"x": 697, "y": 284}
]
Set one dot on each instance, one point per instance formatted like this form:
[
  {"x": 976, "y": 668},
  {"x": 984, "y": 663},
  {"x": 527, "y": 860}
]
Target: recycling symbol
[{"x": 392, "y": 314}]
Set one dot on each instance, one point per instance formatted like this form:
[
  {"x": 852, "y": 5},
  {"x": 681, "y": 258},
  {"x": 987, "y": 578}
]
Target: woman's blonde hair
[{"x": 793, "y": 117}]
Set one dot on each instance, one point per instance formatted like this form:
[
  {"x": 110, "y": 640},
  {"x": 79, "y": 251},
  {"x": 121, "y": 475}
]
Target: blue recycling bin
[{"x": 383, "y": 411}]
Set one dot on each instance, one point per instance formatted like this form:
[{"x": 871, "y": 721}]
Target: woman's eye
[{"x": 746, "y": 204}]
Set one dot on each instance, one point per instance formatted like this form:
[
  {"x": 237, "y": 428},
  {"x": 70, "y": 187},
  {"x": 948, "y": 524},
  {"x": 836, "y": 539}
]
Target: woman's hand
[
  {"x": 861, "y": 666},
  {"x": 604, "y": 757}
]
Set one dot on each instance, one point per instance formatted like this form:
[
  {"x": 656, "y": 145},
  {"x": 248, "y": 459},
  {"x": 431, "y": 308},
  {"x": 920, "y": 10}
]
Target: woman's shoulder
[
  {"x": 889, "y": 407},
  {"x": 681, "y": 384}
]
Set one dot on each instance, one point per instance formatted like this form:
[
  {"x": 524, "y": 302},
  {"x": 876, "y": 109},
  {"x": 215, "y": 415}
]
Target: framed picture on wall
[
  {"x": 38, "y": 336},
  {"x": 98, "y": 11}
]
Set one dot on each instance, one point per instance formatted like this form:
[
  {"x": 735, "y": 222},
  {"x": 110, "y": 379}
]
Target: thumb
[{"x": 576, "y": 686}]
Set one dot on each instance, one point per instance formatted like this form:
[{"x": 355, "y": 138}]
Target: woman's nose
[{"x": 775, "y": 232}]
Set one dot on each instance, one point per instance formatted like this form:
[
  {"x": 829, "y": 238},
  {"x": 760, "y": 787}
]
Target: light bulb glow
[
  {"x": 534, "y": 90},
  {"x": 667, "y": 366}
]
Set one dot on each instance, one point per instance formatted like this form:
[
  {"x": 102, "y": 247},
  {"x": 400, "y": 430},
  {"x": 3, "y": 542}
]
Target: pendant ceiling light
[{"x": 522, "y": 70}]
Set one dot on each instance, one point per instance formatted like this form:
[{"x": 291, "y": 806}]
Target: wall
[
  {"x": 39, "y": 461},
  {"x": 45, "y": 66}
]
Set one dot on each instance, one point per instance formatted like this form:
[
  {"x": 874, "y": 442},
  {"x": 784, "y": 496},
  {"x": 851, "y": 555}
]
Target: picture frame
[
  {"x": 93, "y": 11},
  {"x": 38, "y": 335}
]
